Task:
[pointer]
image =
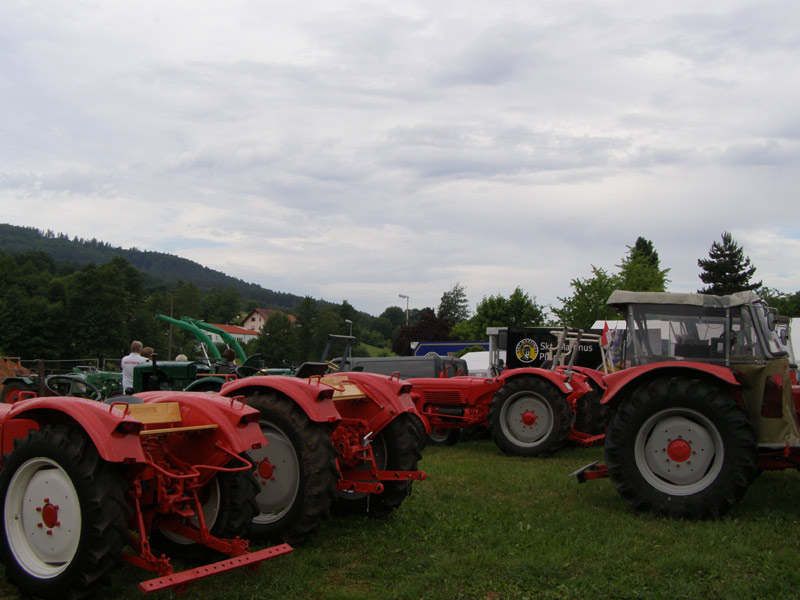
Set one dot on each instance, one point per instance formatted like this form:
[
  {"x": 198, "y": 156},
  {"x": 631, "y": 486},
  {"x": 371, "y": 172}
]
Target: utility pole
[{"x": 406, "y": 297}]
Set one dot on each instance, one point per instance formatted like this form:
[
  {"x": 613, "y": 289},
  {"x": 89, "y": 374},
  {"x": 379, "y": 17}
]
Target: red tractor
[
  {"x": 350, "y": 440},
  {"x": 162, "y": 473},
  {"x": 705, "y": 402},
  {"x": 530, "y": 411}
]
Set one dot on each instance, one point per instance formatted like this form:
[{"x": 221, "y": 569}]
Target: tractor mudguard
[
  {"x": 554, "y": 377},
  {"x": 17, "y": 379},
  {"x": 389, "y": 397},
  {"x": 237, "y": 423},
  {"x": 98, "y": 420},
  {"x": 621, "y": 380},
  {"x": 593, "y": 374},
  {"x": 311, "y": 395}
]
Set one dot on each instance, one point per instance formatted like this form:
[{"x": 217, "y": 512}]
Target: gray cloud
[{"x": 356, "y": 151}]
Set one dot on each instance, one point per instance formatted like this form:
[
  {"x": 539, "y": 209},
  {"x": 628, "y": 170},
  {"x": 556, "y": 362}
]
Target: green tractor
[
  {"x": 205, "y": 375},
  {"x": 82, "y": 382}
]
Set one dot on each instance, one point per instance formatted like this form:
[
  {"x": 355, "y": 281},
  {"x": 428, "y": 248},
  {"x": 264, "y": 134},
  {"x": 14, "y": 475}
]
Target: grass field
[{"x": 488, "y": 526}]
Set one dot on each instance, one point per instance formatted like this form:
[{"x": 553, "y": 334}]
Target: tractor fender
[
  {"x": 19, "y": 379},
  {"x": 619, "y": 384},
  {"x": 593, "y": 374},
  {"x": 556, "y": 378},
  {"x": 390, "y": 397},
  {"x": 237, "y": 423},
  {"x": 100, "y": 422},
  {"x": 311, "y": 395}
]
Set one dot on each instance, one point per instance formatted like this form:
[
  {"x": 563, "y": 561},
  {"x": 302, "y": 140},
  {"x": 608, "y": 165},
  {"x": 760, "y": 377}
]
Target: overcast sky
[{"x": 360, "y": 150}]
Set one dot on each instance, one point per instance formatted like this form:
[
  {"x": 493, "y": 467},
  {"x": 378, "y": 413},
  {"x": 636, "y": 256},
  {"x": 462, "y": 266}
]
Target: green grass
[{"x": 488, "y": 526}]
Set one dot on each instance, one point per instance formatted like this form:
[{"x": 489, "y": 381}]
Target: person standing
[{"x": 130, "y": 361}]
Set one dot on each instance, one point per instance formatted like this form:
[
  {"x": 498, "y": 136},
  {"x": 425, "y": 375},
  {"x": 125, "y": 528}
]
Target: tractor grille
[{"x": 442, "y": 396}]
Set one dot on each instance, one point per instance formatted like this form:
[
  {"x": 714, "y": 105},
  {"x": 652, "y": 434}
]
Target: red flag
[{"x": 604, "y": 339}]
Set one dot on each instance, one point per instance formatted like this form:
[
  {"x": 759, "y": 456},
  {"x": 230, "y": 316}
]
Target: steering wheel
[
  {"x": 67, "y": 385},
  {"x": 245, "y": 371}
]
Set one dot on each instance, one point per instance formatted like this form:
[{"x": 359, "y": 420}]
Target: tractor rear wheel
[
  {"x": 64, "y": 515},
  {"x": 229, "y": 505},
  {"x": 11, "y": 391},
  {"x": 529, "y": 416},
  {"x": 590, "y": 415},
  {"x": 297, "y": 471},
  {"x": 398, "y": 447},
  {"x": 681, "y": 447}
]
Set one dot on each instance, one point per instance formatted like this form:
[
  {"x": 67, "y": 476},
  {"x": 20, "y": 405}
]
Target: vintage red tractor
[
  {"x": 530, "y": 411},
  {"x": 351, "y": 440},
  {"x": 705, "y": 403},
  {"x": 162, "y": 473}
]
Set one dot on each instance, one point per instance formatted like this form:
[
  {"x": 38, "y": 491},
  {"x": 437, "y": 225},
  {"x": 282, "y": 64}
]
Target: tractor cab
[{"x": 738, "y": 332}]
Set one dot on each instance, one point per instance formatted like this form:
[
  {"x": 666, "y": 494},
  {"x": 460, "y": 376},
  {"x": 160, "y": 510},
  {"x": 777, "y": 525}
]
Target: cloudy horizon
[{"x": 363, "y": 150}]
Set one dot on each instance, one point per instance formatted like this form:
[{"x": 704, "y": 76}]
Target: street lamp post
[
  {"x": 406, "y": 297},
  {"x": 351, "y": 326}
]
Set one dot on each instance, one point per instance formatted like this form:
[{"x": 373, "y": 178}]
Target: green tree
[
  {"x": 29, "y": 306},
  {"x": 99, "y": 303},
  {"x": 328, "y": 321},
  {"x": 727, "y": 269},
  {"x": 640, "y": 269},
  {"x": 187, "y": 300},
  {"x": 276, "y": 340},
  {"x": 306, "y": 326},
  {"x": 220, "y": 305},
  {"x": 588, "y": 301},
  {"x": 427, "y": 327},
  {"x": 518, "y": 310},
  {"x": 785, "y": 303},
  {"x": 454, "y": 306}
]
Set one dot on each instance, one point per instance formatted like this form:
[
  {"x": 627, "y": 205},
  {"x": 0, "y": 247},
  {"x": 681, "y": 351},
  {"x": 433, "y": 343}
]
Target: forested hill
[{"x": 158, "y": 268}]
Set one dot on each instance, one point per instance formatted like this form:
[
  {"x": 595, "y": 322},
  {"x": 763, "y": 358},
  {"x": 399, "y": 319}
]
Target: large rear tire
[
  {"x": 590, "y": 414},
  {"x": 229, "y": 505},
  {"x": 529, "y": 416},
  {"x": 681, "y": 447},
  {"x": 296, "y": 472},
  {"x": 64, "y": 515},
  {"x": 398, "y": 447},
  {"x": 12, "y": 390}
]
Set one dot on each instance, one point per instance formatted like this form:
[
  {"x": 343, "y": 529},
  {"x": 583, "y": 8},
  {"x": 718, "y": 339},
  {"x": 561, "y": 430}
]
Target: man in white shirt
[{"x": 130, "y": 361}]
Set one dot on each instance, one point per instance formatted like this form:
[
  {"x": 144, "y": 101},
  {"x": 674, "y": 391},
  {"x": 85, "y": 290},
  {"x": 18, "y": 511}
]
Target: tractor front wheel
[
  {"x": 528, "y": 416},
  {"x": 64, "y": 515},
  {"x": 681, "y": 447},
  {"x": 297, "y": 471},
  {"x": 448, "y": 436}
]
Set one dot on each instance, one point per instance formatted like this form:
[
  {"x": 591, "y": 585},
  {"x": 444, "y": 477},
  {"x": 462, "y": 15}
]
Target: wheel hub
[
  {"x": 49, "y": 514},
  {"x": 678, "y": 451},
  {"x": 529, "y": 418},
  {"x": 266, "y": 470},
  {"x": 526, "y": 419}
]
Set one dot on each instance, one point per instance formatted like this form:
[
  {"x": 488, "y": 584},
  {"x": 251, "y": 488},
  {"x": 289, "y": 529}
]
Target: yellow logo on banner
[{"x": 527, "y": 350}]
